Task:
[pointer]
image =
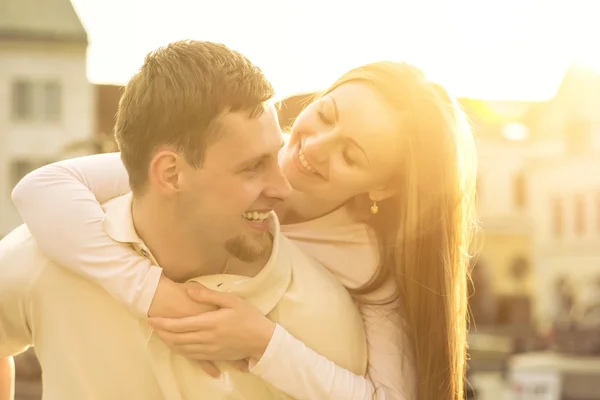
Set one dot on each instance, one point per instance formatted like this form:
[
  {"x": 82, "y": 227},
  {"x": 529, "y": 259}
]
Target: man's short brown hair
[{"x": 176, "y": 97}]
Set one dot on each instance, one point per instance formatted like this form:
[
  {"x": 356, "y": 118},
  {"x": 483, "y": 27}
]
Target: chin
[
  {"x": 250, "y": 248},
  {"x": 299, "y": 183}
]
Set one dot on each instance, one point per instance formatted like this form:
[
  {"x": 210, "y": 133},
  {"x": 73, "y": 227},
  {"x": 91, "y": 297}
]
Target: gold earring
[{"x": 374, "y": 208}]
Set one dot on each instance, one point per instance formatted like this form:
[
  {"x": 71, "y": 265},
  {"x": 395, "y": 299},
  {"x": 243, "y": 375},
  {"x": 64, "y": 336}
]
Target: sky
[{"x": 511, "y": 49}]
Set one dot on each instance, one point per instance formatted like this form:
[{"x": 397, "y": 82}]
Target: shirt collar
[
  {"x": 118, "y": 220},
  {"x": 264, "y": 290},
  {"x": 269, "y": 285}
]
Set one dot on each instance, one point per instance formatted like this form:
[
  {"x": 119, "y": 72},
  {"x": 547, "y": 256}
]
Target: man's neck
[{"x": 177, "y": 252}]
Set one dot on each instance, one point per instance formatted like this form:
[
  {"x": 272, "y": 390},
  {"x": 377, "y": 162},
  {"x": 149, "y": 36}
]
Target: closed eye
[
  {"x": 323, "y": 118},
  {"x": 256, "y": 166},
  {"x": 349, "y": 160}
]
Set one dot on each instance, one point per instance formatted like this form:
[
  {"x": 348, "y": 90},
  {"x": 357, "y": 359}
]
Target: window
[
  {"x": 20, "y": 168},
  {"x": 22, "y": 100},
  {"x": 579, "y": 215},
  {"x": 520, "y": 196},
  {"x": 557, "y": 217},
  {"x": 51, "y": 101},
  {"x": 519, "y": 268},
  {"x": 36, "y": 100}
]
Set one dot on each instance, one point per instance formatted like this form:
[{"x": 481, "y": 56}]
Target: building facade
[{"x": 48, "y": 101}]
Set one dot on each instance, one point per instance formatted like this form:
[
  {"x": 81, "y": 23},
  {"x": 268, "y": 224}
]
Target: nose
[
  {"x": 318, "y": 147},
  {"x": 278, "y": 187}
]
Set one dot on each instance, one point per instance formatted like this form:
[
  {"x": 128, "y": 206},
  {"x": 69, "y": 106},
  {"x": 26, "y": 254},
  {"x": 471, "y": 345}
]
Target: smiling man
[{"x": 199, "y": 138}]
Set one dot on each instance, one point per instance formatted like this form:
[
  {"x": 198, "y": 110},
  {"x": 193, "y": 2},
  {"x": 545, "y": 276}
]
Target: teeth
[
  {"x": 305, "y": 163},
  {"x": 255, "y": 215}
]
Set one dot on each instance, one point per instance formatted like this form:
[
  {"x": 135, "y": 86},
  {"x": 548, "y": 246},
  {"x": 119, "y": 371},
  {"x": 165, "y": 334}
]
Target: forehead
[
  {"x": 241, "y": 136},
  {"x": 368, "y": 118}
]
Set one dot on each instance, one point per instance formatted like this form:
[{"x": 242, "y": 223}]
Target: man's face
[{"x": 226, "y": 202}]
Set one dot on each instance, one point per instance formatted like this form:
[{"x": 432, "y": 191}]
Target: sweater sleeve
[
  {"x": 391, "y": 373},
  {"x": 67, "y": 225}
]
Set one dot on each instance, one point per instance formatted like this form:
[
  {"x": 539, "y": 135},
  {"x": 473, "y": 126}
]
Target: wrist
[
  {"x": 263, "y": 338},
  {"x": 166, "y": 299}
]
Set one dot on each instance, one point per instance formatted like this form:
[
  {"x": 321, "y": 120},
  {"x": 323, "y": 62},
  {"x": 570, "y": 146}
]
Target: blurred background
[{"x": 527, "y": 72}]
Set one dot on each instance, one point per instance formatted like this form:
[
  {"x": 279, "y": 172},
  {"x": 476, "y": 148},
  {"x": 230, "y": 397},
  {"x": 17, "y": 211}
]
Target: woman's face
[{"x": 344, "y": 144}]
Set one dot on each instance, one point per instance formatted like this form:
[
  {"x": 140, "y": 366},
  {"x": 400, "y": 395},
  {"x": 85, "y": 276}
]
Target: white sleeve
[
  {"x": 292, "y": 367},
  {"x": 60, "y": 203}
]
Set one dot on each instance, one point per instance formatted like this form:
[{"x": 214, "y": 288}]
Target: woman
[{"x": 382, "y": 151}]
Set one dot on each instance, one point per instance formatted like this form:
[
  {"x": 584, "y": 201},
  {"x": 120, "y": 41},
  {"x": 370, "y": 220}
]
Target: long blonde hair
[{"x": 425, "y": 231}]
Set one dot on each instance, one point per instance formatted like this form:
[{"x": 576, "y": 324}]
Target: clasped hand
[{"x": 206, "y": 325}]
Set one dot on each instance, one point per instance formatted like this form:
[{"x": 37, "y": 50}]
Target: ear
[
  {"x": 165, "y": 171},
  {"x": 382, "y": 193}
]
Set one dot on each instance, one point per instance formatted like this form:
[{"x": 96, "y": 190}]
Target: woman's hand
[
  {"x": 236, "y": 330},
  {"x": 172, "y": 300}
]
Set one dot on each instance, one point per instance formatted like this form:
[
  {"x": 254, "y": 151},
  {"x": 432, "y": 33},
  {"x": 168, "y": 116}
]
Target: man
[{"x": 199, "y": 139}]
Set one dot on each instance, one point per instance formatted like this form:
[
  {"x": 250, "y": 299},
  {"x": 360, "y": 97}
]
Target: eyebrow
[{"x": 336, "y": 114}]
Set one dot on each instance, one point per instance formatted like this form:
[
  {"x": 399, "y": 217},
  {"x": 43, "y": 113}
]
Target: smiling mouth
[
  {"x": 256, "y": 216},
  {"x": 305, "y": 165},
  {"x": 305, "y": 162}
]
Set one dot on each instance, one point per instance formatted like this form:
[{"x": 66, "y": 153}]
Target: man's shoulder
[
  {"x": 309, "y": 268},
  {"x": 18, "y": 241},
  {"x": 318, "y": 310},
  {"x": 20, "y": 257}
]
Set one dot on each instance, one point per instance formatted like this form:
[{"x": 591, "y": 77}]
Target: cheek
[
  {"x": 345, "y": 188},
  {"x": 242, "y": 195},
  {"x": 286, "y": 160},
  {"x": 347, "y": 182},
  {"x": 215, "y": 201}
]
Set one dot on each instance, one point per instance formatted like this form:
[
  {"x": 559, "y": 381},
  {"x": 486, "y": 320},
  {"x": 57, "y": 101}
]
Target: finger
[
  {"x": 178, "y": 339},
  {"x": 196, "y": 352},
  {"x": 204, "y": 295},
  {"x": 194, "y": 285},
  {"x": 240, "y": 365},
  {"x": 210, "y": 368},
  {"x": 193, "y": 323}
]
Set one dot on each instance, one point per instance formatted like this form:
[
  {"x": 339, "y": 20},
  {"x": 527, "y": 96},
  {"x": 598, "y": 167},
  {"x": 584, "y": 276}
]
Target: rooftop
[{"x": 40, "y": 20}]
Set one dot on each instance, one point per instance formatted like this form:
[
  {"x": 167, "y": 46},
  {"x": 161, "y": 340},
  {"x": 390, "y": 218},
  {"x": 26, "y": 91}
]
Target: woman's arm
[
  {"x": 286, "y": 362},
  {"x": 60, "y": 203},
  {"x": 391, "y": 373}
]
